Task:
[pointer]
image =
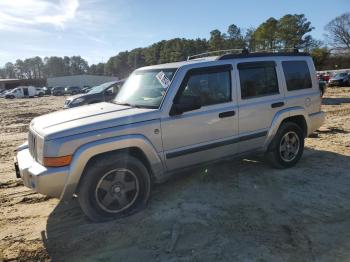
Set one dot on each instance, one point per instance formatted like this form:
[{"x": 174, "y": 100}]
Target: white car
[
  {"x": 40, "y": 91},
  {"x": 21, "y": 92}
]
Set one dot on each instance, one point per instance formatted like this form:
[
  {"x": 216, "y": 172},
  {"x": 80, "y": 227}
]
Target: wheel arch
[
  {"x": 135, "y": 145},
  {"x": 296, "y": 115}
]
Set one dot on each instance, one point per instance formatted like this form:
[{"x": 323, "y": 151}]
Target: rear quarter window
[{"x": 297, "y": 75}]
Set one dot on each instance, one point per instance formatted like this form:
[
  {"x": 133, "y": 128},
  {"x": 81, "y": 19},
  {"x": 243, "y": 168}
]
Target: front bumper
[
  {"x": 316, "y": 120},
  {"x": 48, "y": 181}
]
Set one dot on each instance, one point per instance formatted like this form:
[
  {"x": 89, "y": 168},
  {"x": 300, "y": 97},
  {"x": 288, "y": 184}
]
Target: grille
[{"x": 32, "y": 144}]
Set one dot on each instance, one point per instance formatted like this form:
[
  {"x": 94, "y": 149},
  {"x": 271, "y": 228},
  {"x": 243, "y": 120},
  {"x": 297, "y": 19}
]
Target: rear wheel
[
  {"x": 287, "y": 147},
  {"x": 114, "y": 187}
]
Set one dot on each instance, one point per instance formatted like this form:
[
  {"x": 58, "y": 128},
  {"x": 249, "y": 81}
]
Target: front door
[{"x": 207, "y": 133}]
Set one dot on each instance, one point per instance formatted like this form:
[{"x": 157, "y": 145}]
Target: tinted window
[
  {"x": 258, "y": 79},
  {"x": 297, "y": 75},
  {"x": 211, "y": 88}
]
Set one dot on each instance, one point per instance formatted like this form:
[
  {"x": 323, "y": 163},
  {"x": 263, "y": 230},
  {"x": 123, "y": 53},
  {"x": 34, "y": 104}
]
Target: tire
[
  {"x": 111, "y": 180},
  {"x": 41, "y": 95},
  {"x": 280, "y": 154}
]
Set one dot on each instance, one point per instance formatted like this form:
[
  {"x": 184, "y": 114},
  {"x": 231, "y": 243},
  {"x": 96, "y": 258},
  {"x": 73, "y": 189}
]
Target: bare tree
[{"x": 339, "y": 31}]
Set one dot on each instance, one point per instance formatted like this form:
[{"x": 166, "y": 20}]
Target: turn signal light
[{"x": 57, "y": 161}]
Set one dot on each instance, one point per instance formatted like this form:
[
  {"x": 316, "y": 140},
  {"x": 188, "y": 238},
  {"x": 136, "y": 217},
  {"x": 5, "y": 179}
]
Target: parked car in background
[
  {"x": 340, "y": 79},
  {"x": 47, "y": 90},
  {"x": 21, "y": 92},
  {"x": 323, "y": 77},
  {"x": 72, "y": 90},
  {"x": 57, "y": 91},
  {"x": 86, "y": 89},
  {"x": 3, "y": 92},
  {"x": 40, "y": 92},
  {"x": 105, "y": 92}
]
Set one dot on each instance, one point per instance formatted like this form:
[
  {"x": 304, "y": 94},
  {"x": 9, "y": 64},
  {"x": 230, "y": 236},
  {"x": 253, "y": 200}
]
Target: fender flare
[
  {"x": 84, "y": 153},
  {"x": 282, "y": 115}
]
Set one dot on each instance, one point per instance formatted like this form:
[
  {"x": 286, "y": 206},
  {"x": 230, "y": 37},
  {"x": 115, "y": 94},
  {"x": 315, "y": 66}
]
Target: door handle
[
  {"x": 227, "y": 114},
  {"x": 278, "y": 104}
]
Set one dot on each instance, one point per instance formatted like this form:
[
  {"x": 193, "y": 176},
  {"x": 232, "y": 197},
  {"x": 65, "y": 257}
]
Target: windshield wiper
[
  {"x": 135, "y": 105},
  {"x": 123, "y": 104}
]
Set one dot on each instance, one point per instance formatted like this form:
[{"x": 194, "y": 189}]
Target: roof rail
[
  {"x": 218, "y": 52},
  {"x": 244, "y": 52}
]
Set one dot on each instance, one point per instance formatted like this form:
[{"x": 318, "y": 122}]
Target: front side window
[
  {"x": 145, "y": 88},
  {"x": 210, "y": 87},
  {"x": 258, "y": 79},
  {"x": 297, "y": 75}
]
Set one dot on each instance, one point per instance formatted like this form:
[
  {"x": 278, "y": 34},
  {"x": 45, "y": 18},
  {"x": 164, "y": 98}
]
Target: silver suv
[{"x": 170, "y": 117}]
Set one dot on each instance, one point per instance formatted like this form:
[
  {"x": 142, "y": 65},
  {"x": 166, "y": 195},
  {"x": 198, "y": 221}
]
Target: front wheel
[
  {"x": 113, "y": 187},
  {"x": 287, "y": 147}
]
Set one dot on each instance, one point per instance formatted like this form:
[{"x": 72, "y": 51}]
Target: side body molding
[
  {"x": 84, "y": 153},
  {"x": 280, "y": 116}
]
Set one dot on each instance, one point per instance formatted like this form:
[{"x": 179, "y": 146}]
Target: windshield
[
  {"x": 100, "y": 88},
  {"x": 340, "y": 75},
  {"x": 145, "y": 88}
]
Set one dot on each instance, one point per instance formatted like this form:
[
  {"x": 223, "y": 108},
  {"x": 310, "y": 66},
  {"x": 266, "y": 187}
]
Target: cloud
[{"x": 16, "y": 14}]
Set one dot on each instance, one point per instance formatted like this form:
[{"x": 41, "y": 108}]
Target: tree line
[
  {"x": 36, "y": 67},
  {"x": 290, "y": 31}
]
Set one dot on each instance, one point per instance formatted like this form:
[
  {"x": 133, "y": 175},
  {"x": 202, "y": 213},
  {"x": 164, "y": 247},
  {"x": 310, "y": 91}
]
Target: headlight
[{"x": 78, "y": 100}]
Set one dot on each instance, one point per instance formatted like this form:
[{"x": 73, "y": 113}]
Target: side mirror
[{"x": 186, "y": 104}]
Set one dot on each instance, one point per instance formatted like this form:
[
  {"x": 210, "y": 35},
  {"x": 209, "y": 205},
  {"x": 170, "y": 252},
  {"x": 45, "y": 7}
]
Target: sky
[{"x": 99, "y": 29}]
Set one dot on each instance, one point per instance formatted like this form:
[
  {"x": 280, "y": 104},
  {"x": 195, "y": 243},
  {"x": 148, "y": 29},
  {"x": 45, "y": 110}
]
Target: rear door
[
  {"x": 260, "y": 97},
  {"x": 209, "y": 132}
]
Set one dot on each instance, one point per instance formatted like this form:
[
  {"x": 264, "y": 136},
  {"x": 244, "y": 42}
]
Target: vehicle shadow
[
  {"x": 233, "y": 210},
  {"x": 335, "y": 100}
]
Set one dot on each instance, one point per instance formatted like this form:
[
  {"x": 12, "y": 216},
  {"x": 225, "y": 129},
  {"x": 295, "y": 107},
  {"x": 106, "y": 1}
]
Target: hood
[
  {"x": 88, "y": 118},
  {"x": 75, "y": 96}
]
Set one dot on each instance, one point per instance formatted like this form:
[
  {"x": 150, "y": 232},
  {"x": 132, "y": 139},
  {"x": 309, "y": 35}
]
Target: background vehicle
[
  {"x": 72, "y": 90},
  {"x": 105, "y": 92},
  {"x": 339, "y": 79},
  {"x": 323, "y": 77},
  {"x": 57, "y": 91},
  {"x": 47, "y": 90},
  {"x": 39, "y": 91},
  {"x": 21, "y": 92},
  {"x": 3, "y": 92},
  {"x": 167, "y": 118},
  {"x": 86, "y": 89}
]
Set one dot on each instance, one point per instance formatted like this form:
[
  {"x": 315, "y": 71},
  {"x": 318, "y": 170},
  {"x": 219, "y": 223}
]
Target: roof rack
[
  {"x": 218, "y": 52},
  {"x": 236, "y": 53}
]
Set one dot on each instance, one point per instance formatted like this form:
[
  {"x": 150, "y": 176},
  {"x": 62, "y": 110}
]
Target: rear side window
[
  {"x": 211, "y": 85},
  {"x": 297, "y": 75},
  {"x": 258, "y": 79}
]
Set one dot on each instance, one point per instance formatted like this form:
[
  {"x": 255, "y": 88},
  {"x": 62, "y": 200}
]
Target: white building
[{"x": 79, "y": 80}]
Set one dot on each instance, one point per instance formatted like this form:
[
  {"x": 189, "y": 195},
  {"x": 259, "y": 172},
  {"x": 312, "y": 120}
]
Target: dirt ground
[{"x": 241, "y": 210}]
